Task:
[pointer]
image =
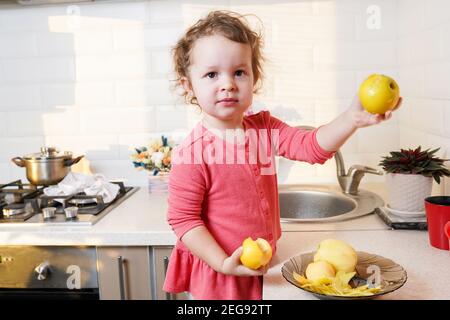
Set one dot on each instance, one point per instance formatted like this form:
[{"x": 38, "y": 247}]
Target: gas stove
[{"x": 25, "y": 204}]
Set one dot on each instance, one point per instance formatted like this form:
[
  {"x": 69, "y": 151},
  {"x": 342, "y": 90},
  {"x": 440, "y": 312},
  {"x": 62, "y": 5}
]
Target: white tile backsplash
[
  {"x": 61, "y": 121},
  {"x": 446, "y": 108},
  {"x": 378, "y": 139},
  {"x": 410, "y": 16},
  {"x": 19, "y": 146},
  {"x": 99, "y": 83},
  {"x": 94, "y": 94},
  {"x": 33, "y": 70},
  {"x": 30, "y": 123},
  {"x": 355, "y": 55},
  {"x": 20, "y": 97},
  {"x": 55, "y": 43},
  {"x": 427, "y": 115},
  {"x": 3, "y": 122},
  {"x": 165, "y": 36},
  {"x": 144, "y": 92},
  {"x": 20, "y": 44},
  {"x": 436, "y": 12},
  {"x": 4, "y": 172},
  {"x": 115, "y": 66},
  {"x": 437, "y": 78},
  {"x": 117, "y": 120},
  {"x": 93, "y": 146}
]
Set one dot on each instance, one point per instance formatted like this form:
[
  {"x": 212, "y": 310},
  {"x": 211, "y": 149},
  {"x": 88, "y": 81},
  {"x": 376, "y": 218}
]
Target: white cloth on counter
[{"x": 91, "y": 185}]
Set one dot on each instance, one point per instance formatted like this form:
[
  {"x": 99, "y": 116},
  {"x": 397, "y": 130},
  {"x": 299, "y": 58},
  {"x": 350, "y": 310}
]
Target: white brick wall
[
  {"x": 99, "y": 83},
  {"x": 423, "y": 53}
]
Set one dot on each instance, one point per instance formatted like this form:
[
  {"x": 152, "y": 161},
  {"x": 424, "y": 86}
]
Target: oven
[{"x": 48, "y": 272}]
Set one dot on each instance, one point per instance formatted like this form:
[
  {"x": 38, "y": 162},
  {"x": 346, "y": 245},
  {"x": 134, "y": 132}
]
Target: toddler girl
[{"x": 223, "y": 187}]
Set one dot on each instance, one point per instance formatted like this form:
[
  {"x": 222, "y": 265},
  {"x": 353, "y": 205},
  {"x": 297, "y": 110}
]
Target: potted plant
[
  {"x": 410, "y": 175},
  {"x": 156, "y": 159}
]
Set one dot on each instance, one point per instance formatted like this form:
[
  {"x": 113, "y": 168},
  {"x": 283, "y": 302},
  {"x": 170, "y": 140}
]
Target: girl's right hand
[{"x": 233, "y": 266}]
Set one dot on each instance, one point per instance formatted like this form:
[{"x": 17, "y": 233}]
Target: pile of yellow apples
[
  {"x": 332, "y": 256},
  {"x": 333, "y": 267}
]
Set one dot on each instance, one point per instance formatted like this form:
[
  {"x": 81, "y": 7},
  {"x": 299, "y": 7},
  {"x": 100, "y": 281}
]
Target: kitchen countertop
[
  {"x": 141, "y": 221},
  {"x": 138, "y": 221},
  {"x": 427, "y": 267}
]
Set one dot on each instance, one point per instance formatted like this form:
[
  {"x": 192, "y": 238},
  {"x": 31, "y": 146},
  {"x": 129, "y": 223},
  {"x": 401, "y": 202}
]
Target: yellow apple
[
  {"x": 337, "y": 253},
  {"x": 255, "y": 254},
  {"x": 318, "y": 270},
  {"x": 379, "y": 93}
]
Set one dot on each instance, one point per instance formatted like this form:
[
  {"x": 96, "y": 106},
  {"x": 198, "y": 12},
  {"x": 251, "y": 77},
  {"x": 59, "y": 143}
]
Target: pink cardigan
[{"x": 233, "y": 200}]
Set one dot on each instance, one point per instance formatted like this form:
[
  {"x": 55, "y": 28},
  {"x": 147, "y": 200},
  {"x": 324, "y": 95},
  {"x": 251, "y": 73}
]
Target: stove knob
[{"x": 42, "y": 270}]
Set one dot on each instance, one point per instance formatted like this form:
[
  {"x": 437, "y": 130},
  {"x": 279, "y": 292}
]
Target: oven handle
[{"x": 120, "y": 262}]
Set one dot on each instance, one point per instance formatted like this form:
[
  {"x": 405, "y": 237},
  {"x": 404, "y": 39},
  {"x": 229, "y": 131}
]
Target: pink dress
[{"x": 232, "y": 199}]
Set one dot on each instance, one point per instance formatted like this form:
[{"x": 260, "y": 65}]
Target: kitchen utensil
[
  {"x": 437, "y": 209},
  {"x": 47, "y": 167},
  {"x": 392, "y": 276},
  {"x": 48, "y": 213},
  {"x": 71, "y": 212}
]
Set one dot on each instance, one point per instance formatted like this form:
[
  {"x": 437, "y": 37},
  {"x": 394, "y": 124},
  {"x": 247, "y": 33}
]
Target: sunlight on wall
[{"x": 126, "y": 59}]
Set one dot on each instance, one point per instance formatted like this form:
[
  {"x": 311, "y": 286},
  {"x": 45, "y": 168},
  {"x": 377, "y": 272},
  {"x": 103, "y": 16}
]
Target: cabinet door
[
  {"x": 124, "y": 273},
  {"x": 160, "y": 256}
]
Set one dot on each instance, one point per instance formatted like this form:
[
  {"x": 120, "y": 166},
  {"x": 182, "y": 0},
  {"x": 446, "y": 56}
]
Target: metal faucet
[{"x": 349, "y": 182}]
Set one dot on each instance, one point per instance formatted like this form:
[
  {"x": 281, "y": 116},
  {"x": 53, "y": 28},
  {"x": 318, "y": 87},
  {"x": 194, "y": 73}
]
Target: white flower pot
[{"x": 408, "y": 191}]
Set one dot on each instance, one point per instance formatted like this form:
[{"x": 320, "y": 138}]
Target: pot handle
[
  {"x": 18, "y": 161},
  {"x": 70, "y": 162}
]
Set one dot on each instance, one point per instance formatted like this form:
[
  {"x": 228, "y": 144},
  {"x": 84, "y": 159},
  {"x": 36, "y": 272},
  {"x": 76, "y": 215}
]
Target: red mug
[
  {"x": 447, "y": 232},
  {"x": 437, "y": 209}
]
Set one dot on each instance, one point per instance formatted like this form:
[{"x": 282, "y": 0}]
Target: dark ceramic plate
[{"x": 392, "y": 275}]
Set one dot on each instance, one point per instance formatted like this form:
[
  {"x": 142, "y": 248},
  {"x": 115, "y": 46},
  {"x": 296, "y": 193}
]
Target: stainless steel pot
[{"x": 47, "y": 167}]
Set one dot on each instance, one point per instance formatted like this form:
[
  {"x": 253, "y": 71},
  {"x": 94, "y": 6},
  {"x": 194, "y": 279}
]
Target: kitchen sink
[{"x": 322, "y": 203}]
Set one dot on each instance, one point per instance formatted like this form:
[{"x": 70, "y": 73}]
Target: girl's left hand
[{"x": 361, "y": 118}]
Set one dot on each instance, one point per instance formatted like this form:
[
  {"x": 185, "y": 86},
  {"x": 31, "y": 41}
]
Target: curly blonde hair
[{"x": 232, "y": 26}]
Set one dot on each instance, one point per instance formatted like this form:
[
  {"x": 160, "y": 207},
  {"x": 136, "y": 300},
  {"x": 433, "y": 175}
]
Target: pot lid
[{"x": 49, "y": 153}]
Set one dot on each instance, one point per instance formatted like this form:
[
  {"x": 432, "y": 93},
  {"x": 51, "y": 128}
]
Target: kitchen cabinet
[
  {"x": 124, "y": 273},
  {"x": 160, "y": 256},
  {"x": 134, "y": 273}
]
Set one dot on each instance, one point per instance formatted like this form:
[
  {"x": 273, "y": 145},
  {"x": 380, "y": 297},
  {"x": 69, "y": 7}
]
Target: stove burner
[
  {"x": 16, "y": 192},
  {"x": 16, "y": 209},
  {"x": 20, "y": 202},
  {"x": 81, "y": 202}
]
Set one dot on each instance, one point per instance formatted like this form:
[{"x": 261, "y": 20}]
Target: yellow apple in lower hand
[
  {"x": 255, "y": 254},
  {"x": 379, "y": 93}
]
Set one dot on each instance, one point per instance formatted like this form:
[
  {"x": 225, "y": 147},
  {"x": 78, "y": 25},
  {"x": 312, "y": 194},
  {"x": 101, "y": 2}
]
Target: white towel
[{"x": 92, "y": 185}]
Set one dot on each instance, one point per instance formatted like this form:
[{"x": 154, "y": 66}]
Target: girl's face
[{"x": 221, "y": 78}]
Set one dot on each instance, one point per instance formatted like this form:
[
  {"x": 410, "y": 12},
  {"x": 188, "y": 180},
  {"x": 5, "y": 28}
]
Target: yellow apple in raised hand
[
  {"x": 379, "y": 94},
  {"x": 337, "y": 253},
  {"x": 318, "y": 270},
  {"x": 255, "y": 253}
]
